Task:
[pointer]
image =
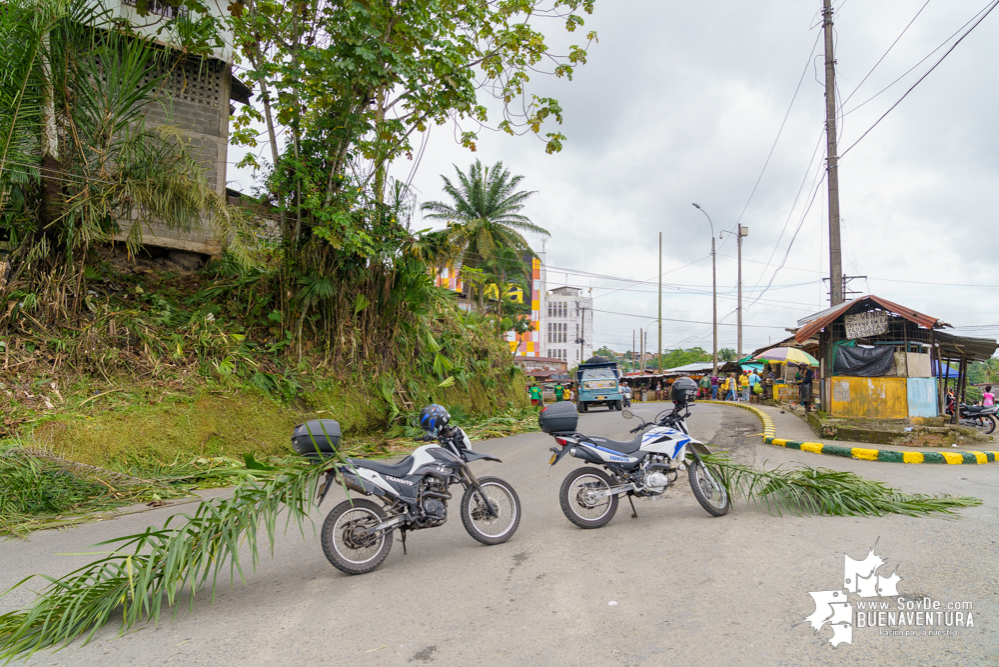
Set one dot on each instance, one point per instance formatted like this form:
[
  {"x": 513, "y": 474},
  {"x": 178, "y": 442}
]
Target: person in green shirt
[
  {"x": 558, "y": 392},
  {"x": 535, "y": 394},
  {"x": 705, "y": 385}
]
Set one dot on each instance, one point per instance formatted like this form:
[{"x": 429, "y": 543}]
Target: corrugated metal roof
[
  {"x": 975, "y": 349},
  {"x": 862, "y": 304}
]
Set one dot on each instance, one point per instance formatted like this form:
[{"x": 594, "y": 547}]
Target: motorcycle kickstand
[
  {"x": 402, "y": 534},
  {"x": 634, "y": 514}
]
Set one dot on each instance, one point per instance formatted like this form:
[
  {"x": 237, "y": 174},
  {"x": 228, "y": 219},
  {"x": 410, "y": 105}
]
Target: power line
[
  {"x": 843, "y": 104},
  {"x": 667, "y": 319},
  {"x": 787, "y": 252},
  {"x": 790, "y": 212},
  {"x": 920, "y": 80},
  {"x": 921, "y": 61},
  {"x": 781, "y": 129}
]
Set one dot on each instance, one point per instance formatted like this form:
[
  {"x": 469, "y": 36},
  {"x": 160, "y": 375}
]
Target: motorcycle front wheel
[
  {"x": 479, "y": 522},
  {"x": 578, "y": 501},
  {"x": 986, "y": 424},
  {"x": 346, "y": 539},
  {"x": 708, "y": 489}
]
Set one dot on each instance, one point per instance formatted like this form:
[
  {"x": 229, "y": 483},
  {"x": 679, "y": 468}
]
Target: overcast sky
[{"x": 682, "y": 102}]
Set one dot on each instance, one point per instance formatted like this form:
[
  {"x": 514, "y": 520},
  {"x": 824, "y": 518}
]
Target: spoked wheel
[
  {"x": 475, "y": 514},
  {"x": 580, "y": 499},
  {"x": 347, "y": 538},
  {"x": 986, "y": 424},
  {"x": 708, "y": 489}
]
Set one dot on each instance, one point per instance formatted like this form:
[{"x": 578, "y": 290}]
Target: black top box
[
  {"x": 559, "y": 418},
  {"x": 316, "y": 437},
  {"x": 684, "y": 390}
]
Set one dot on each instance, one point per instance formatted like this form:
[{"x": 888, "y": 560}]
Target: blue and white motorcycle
[{"x": 643, "y": 467}]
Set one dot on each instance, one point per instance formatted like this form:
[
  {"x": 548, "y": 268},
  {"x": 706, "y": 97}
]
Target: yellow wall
[{"x": 873, "y": 398}]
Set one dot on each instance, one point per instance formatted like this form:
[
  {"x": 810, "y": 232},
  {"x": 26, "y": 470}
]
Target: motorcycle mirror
[{"x": 627, "y": 414}]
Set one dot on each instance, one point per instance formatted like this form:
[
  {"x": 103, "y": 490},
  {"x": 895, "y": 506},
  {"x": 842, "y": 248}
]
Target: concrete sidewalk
[
  {"x": 791, "y": 426},
  {"x": 783, "y": 428}
]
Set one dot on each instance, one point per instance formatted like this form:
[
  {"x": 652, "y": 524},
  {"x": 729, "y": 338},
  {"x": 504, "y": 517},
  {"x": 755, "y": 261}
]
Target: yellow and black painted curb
[{"x": 863, "y": 453}]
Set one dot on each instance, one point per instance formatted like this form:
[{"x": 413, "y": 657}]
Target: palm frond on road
[
  {"x": 142, "y": 571},
  {"x": 804, "y": 490}
]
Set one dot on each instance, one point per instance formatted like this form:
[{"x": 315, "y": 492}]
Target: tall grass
[{"x": 41, "y": 490}]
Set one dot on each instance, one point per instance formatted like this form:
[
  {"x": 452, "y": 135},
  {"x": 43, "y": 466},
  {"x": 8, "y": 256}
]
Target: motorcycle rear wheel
[
  {"x": 346, "y": 542},
  {"x": 708, "y": 489},
  {"x": 475, "y": 515},
  {"x": 578, "y": 508}
]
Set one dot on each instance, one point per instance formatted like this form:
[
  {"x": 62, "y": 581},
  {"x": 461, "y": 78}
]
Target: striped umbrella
[{"x": 788, "y": 355}]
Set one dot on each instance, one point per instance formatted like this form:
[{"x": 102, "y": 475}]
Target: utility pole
[
  {"x": 632, "y": 350},
  {"x": 641, "y": 346},
  {"x": 660, "y": 357},
  {"x": 740, "y": 232},
  {"x": 714, "y": 308},
  {"x": 714, "y": 294},
  {"x": 582, "y": 332},
  {"x": 832, "y": 164}
]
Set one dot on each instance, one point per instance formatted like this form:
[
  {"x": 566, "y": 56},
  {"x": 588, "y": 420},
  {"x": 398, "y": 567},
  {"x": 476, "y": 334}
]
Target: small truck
[{"x": 597, "y": 384}]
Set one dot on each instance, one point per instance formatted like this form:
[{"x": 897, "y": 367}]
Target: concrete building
[
  {"x": 568, "y": 319},
  {"x": 196, "y": 97}
]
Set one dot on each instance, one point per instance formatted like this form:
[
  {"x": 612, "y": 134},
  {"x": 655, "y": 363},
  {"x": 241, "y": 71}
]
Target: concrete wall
[{"x": 869, "y": 398}]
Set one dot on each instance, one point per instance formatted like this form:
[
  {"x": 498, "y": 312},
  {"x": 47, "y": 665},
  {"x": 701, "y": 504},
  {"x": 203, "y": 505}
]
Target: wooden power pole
[
  {"x": 660, "y": 355},
  {"x": 832, "y": 166}
]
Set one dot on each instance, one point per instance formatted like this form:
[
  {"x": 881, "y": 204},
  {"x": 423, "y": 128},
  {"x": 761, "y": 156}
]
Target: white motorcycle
[
  {"x": 643, "y": 467},
  {"x": 412, "y": 494}
]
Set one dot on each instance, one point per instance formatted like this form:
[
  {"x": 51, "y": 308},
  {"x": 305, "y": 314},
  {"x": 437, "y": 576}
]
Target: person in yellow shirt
[{"x": 744, "y": 386}]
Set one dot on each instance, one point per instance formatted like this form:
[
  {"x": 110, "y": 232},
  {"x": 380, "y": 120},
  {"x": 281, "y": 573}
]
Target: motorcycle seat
[
  {"x": 972, "y": 408},
  {"x": 617, "y": 445},
  {"x": 400, "y": 469}
]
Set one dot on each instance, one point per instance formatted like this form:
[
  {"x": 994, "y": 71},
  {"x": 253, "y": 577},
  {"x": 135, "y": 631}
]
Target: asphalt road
[{"x": 688, "y": 588}]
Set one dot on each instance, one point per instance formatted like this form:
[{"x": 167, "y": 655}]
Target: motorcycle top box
[
  {"x": 559, "y": 418},
  {"x": 684, "y": 390},
  {"x": 316, "y": 437}
]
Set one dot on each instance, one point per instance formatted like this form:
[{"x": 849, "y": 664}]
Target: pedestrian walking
[
  {"x": 755, "y": 388},
  {"x": 805, "y": 389},
  {"x": 714, "y": 387},
  {"x": 744, "y": 385},
  {"x": 705, "y": 387},
  {"x": 988, "y": 398},
  {"x": 558, "y": 392},
  {"x": 535, "y": 392},
  {"x": 566, "y": 393}
]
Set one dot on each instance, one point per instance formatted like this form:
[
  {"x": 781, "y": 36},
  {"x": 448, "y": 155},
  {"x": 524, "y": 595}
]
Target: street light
[
  {"x": 714, "y": 295},
  {"x": 742, "y": 231}
]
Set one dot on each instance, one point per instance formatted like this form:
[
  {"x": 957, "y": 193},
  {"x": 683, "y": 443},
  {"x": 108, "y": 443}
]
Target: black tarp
[{"x": 864, "y": 361}]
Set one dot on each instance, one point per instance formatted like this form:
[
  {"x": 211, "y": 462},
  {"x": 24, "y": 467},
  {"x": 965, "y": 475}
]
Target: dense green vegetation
[{"x": 332, "y": 295}]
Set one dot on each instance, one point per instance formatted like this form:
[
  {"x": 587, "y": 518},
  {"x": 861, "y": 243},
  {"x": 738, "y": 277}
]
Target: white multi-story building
[{"x": 567, "y": 318}]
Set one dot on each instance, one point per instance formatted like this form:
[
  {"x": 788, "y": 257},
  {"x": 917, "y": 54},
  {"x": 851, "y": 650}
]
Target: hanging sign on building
[{"x": 862, "y": 325}]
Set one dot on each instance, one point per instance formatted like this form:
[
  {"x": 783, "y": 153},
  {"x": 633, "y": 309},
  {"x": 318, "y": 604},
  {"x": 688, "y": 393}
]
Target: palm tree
[{"x": 484, "y": 215}]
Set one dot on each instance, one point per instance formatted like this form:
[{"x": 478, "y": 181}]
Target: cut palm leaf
[
  {"x": 144, "y": 569},
  {"x": 804, "y": 490}
]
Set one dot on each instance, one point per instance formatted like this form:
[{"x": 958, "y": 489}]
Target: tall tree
[{"x": 484, "y": 213}]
